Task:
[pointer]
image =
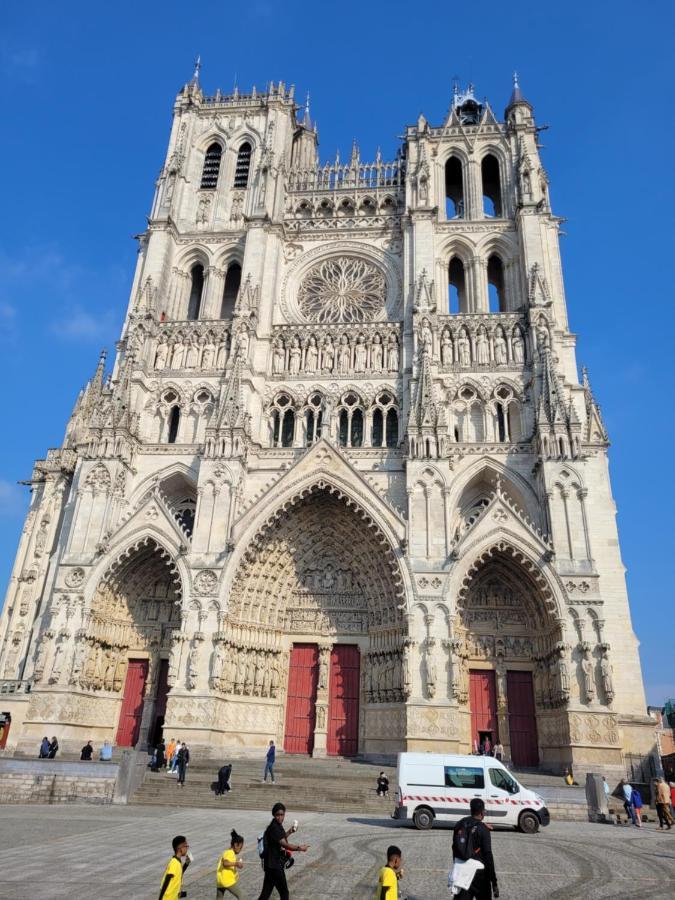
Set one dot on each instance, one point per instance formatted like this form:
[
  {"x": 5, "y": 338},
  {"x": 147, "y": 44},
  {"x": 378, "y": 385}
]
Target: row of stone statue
[
  {"x": 192, "y": 352},
  {"x": 387, "y": 677},
  {"x": 552, "y": 679},
  {"x": 464, "y": 347},
  {"x": 94, "y": 666},
  {"x": 240, "y": 670},
  {"x": 342, "y": 354}
]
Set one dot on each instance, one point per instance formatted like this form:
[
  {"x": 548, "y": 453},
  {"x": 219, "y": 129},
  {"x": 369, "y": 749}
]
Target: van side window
[
  {"x": 503, "y": 780},
  {"x": 464, "y": 777}
]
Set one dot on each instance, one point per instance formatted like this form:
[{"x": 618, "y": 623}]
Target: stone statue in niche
[
  {"x": 221, "y": 356},
  {"x": 482, "y": 349},
  {"x": 500, "y": 349},
  {"x": 323, "y": 671},
  {"x": 425, "y": 338},
  {"x": 161, "y": 355},
  {"x": 321, "y": 718},
  {"x": 208, "y": 356},
  {"x": 606, "y": 675},
  {"x": 430, "y": 668},
  {"x": 41, "y": 538},
  {"x": 393, "y": 355},
  {"x": 518, "y": 346},
  {"x": 327, "y": 354},
  {"x": 406, "y": 670},
  {"x": 295, "y": 357},
  {"x": 464, "y": 349},
  {"x": 217, "y": 663},
  {"x": 360, "y": 354},
  {"x": 177, "y": 355},
  {"x": 278, "y": 355},
  {"x": 376, "y": 353},
  {"x": 192, "y": 667},
  {"x": 344, "y": 356},
  {"x": 562, "y": 673},
  {"x": 446, "y": 348},
  {"x": 41, "y": 655},
  {"x": 587, "y": 671},
  {"x": 311, "y": 357},
  {"x": 192, "y": 355},
  {"x": 542, "y": 337},
  {"x": 243, "y": 342}
]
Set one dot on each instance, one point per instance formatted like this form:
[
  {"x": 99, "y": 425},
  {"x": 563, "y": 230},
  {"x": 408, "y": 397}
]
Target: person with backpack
[
  {"x": 275, "y": 854},
  {"x": 472, "y": 848},
  {"x": 627, "y": 791}
]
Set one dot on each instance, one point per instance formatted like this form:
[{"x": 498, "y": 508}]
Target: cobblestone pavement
[{"x": 80, "y": 852}]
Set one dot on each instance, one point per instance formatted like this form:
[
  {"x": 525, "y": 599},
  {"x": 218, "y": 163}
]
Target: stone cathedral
[{"x": 343, "y": 486}]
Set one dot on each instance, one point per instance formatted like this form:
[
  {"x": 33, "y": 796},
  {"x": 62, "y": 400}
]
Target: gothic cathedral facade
[{"x": 343, "y": 487}]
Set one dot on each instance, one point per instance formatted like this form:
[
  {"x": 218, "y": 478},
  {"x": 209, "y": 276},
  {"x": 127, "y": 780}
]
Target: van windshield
[{"x": 503, "y": 780}]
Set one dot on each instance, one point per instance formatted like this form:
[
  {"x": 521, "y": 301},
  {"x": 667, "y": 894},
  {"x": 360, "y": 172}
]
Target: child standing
[
  {"x": 173, "y": 874},
  {"x": 227, "y": 875},
  {"x": 387, "y": 885},
  {"x": 636, "y": 803}
]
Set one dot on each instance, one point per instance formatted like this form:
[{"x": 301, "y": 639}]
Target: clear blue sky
[{"x": 87, "y": 91}]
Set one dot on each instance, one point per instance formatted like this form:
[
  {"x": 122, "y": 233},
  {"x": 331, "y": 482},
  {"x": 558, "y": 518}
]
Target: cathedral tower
[{"x": 343, "y": 487}]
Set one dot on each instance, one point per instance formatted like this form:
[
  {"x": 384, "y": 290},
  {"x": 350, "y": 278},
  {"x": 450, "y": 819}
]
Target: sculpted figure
[
  {"x": 376, "y": 353},
  {"x": 221, "y": 356},
  {"x": 500, "y": 348},
  {"x": 360, "y": 354},
  {"x": 327, "y": 354},
  {"x": 587, "y": 669},
  {"x": 278, "y": 357},
  {"x": 217, "y": 663},
  {"x": 393, "y": 354},
  {"x": 192, "y": 667},
  {"x": 177, "y": 354},
  {"x": 482, "y": 349},
  {"x": 518, "y": 346},
  {"x": 161, "y": 355},
  {"x": 406, "y": 671},
  {"x": 311, "y": 356},
  {"x": 295, "y": 357},
  {"x": 192, "y": 355},
  {"x": 344, "y": 356},
  {"x": 563, "y": 676},
  {"x": 208, "y": 356},
  {"x": 446, "y": 348},
  {"x": 57, "y": 662},
  {"x": 464, "y": 349},
  {"x": 606, "y": 674},
  {"x": 243, "y": 342},
  {"x": 430, "y": 666},
  {"x": 425, "y": 335}
]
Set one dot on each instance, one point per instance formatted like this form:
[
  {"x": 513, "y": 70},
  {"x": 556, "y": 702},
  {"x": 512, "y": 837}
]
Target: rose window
[{"x": 343, "y": 289}]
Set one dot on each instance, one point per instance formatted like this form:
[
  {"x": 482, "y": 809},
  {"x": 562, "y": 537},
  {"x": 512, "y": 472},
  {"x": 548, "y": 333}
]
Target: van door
[
  {"x": 500, "y": 803},
  {"x": 462, "y": 784}
]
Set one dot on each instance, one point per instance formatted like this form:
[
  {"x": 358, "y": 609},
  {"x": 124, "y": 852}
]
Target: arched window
[
  {"x": 384, "y": 431},
  {"x": 454, "y": 189},
  {"x": 492, "y": 189},
  {"x": 313, "y": 419},
  {"x": 232, "y": 285},
  {"x": 283, "y": 422},
  {"x": 211, "y": 168},
  {"x": 243, "y": 166},
  {"x": 174, "y": 424},
  {"x": 196, "y": 291},
  {"x": 350, "y": 422},
  {"x": 456, "y": 286},
  {"x": 513, "y": 421},
  {"x": 501, "y": 424},
  {"x": 391, "y": 431},
  {"x": 495, "y": 277},
  {"x": 378, "y": 428}
]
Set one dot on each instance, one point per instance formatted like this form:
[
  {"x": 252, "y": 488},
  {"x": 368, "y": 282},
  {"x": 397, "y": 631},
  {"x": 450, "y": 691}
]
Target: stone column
[{"x": 321, "y": 720}]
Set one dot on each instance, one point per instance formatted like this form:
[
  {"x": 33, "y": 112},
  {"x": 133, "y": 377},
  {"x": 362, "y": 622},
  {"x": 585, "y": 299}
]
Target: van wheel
[
  {"x": 528, "y": 823},
  {"x": 423, "y": 819}
]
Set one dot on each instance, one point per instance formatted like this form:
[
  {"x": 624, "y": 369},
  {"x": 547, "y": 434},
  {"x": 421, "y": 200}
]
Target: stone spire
[
  {"x": 517, "y": 97},
  {"x": 595, "y": 427},
  {"x": 423, "y": 418}
]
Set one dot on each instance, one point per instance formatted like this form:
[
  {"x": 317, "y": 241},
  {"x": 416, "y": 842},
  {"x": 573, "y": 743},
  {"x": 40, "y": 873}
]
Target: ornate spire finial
[
  {"x": 307, "y": 120},
  {"x": 198, "y": 66}
]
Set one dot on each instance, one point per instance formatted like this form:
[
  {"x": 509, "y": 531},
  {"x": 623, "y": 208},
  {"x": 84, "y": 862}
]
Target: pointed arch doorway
[{"x": 319, "y": 585}]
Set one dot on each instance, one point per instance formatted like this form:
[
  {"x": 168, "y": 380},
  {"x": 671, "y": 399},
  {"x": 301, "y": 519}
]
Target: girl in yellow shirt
[{"x": 227, "y": 875}]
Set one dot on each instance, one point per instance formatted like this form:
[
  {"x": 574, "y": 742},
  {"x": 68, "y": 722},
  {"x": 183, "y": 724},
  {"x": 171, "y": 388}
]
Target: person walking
[
  {"x": 382, "y": 785},
  {"x": 227, "y": 874},
  {"x": 170, "y": 751},
  {"x": 174, "y": 763},
  {"x": 636, "y": 803},
  {"x": 172, "y": 882},
  {"x": 275, "y": 856},
  {"x": 471, "y": 840},
  {"x": 53, "y": 748},
  {"x": 183, "y": 760},
  {"x": 269, "y": 761},
  {"x": 390, "y": 875},
  {"x": 44, "y": 748},
  {"x": 662, "y": 801},
  {"x": 87, "y": 752},
  {"x": 499, "y": 751},
  {"x": 627, "y": 791}
]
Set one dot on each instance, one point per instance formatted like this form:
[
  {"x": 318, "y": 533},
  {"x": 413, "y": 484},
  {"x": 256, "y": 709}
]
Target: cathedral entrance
[
  {"x": 483, "y": 700},
  {"x": 316, "y": 598},
  {"x": 522, "y": 719},
  {"x": 129, "y": 727},
  {"x": 343, "y": 704},
  {"x": 303, "y": 679}
]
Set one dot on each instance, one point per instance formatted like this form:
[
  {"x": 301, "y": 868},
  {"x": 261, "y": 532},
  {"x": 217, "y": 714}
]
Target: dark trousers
[
  {"x": 181, "y": 773},
  {"x": 274, "y": 878},
  {"x": 630, "y": 812},
  {"x": 480, "y": 889},
  {"x": 663, "y": 812}
]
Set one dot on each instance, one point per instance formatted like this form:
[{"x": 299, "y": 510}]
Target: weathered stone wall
[{"x": 51, "y": 781}]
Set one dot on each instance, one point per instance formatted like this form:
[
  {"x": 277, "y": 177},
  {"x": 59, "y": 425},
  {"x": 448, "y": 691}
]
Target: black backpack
[{"x": 464, "y": 839}]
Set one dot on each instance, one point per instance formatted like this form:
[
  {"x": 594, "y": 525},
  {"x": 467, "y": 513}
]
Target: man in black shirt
[
  {"x": 276, "y": 855},
  {"x": 484, "y": 885}
]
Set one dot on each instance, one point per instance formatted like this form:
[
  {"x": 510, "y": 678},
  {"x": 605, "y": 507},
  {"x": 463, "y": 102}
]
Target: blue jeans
[
  {"x": 269, "y": 767},
  {"x": 630, "y": 811}
]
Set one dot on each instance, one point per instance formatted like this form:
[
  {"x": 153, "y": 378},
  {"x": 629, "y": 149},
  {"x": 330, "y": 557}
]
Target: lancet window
[
  {"x": 457, "y": 296},
  {"x": 283, "y": 421},
  {"x": 313, "y": 419},
  {"x": 230, "y": 291},
  {"x": 243, "y": 166},
  {"x": 350, "y": 421},
  {"x": 196, "y": 292},
  {"x": 211, "y": 168},
  {"x": 454, "y": 189},
  {"x": 496, "y": 287},
  {"x": 492, "y": 189},
  {"x": 384, "y": 430}
]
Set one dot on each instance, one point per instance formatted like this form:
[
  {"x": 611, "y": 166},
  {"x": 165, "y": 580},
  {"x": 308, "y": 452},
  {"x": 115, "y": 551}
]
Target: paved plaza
[{"x": 57, "y": 852}]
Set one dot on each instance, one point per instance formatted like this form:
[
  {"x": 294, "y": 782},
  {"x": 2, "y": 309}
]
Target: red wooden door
[
  {"x": 303, "y": 678},
  {"x": 132, "y": 703},
  {"x": 522, "y": 719},
  {"x": 483, "y": 699},
  {"x": 343, "y": 701}
]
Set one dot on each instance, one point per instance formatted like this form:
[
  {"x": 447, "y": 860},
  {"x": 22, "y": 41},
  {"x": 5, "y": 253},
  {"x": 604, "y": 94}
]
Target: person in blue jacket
[{"x": 269, "y": 761}]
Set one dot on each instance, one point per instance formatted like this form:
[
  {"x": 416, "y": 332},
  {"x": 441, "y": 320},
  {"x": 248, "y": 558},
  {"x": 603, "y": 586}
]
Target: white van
[{"x": 441, "y": 786}]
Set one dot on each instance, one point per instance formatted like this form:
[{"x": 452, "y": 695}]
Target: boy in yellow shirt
[
  {"x": 173, "y": 874},
  {"x": 387, "y": 885},
  {"x": 227, "y": 875}
]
